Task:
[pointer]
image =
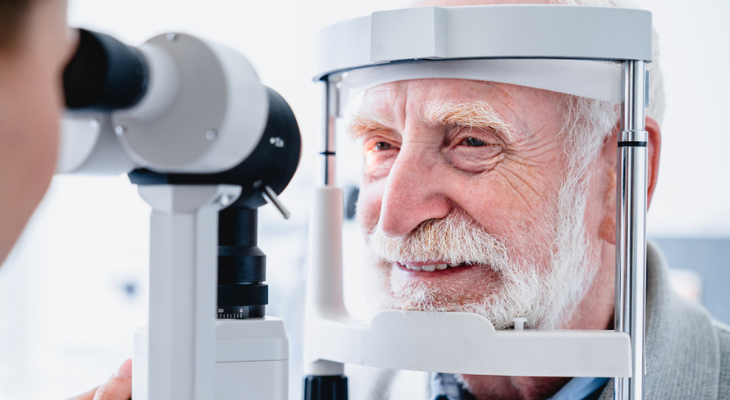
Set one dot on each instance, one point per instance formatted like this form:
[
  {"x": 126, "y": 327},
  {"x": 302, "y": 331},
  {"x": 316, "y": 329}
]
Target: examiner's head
[
  {"x": 35, "y": 43},
  {"x": 494, "y": 198}
]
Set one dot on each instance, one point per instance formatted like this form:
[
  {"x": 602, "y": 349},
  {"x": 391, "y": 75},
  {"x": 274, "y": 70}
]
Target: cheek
[
  {"x": 40, "y": 121},
  {"x": 31, "y": 123},
  {"x": 378, "y": 164},
  {"x": 369, "y": 204},
  {"x": 528, "y": 232},
  {"x": 600, "y": 214},
  {"x": 493, "y": 205},
  {"x": 46, "y": 146}
]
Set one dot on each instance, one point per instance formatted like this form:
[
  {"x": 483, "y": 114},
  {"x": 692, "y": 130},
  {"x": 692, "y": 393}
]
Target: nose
[{"x": 414, "y": 193}]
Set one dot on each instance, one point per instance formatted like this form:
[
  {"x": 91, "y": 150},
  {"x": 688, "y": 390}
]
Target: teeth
[{"x": 428, "y": 268}]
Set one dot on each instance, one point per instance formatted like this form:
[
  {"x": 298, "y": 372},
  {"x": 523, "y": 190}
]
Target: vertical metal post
[
  {"x": 631, "y": 192},
  {"x": 328, "y": 147},
  {"x": 325, "y": 380}
]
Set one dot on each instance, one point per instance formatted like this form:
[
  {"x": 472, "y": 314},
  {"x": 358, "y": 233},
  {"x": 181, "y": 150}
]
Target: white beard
[{"x": 546, "y": 293}]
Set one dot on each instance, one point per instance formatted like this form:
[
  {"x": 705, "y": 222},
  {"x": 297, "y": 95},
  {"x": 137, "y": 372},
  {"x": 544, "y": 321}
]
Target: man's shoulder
[
  {"x": 688, "y": 351},
  {"x": 723, "y": 338},
  {"x": 723, "y": 334}
]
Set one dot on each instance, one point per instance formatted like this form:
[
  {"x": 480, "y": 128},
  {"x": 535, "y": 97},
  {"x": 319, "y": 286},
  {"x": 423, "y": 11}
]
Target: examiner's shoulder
[{"x": 723, "y": 337}]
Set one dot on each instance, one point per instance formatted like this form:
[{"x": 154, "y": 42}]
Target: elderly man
[{"x": 500, "y": 200}]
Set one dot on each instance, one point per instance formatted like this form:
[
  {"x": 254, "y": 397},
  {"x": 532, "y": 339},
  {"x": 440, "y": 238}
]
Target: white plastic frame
[{"x": 585, "y": 78}]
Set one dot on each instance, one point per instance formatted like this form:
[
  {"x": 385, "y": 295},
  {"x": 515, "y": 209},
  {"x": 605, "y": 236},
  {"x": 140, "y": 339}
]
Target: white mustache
[{"x": 453, "y": 240}]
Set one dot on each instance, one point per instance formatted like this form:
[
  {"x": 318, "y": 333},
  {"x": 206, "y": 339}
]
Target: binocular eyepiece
[
  {"x": 190, "y": 112},
  {"x": 104, "y": 74}
]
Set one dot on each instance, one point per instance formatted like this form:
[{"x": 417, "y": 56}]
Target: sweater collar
[{"x": 682, "y": 350}]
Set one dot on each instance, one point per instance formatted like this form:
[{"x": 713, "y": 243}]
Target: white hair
[{"x": 589, "y": 122}]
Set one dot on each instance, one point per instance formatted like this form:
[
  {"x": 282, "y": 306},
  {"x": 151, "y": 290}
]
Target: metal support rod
[
  {"x": 270, "y": 196},
  {"x": 631, "y": 192},
  {"x": 328, "y": 146}
]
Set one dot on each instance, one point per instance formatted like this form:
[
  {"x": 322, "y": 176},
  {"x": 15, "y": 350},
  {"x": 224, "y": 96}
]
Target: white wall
[
  {"x": 693, "y": 194},
  {"x": 67, "y": 320}
]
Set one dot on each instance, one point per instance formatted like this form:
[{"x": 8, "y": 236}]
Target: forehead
[
  {"x": 408, "y": 96},
  {"x": 428, "y": 89}
]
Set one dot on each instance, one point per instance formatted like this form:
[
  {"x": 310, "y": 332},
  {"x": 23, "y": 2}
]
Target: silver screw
[
  {"x": 277, "y": 141},
  {"x": 224, "y": 200},
  {"x": 120, "y": 130},
  {"x": 211, "y": 134},
  {"x": 95, "y": 123},
  {"x": 171, "y": 37}
]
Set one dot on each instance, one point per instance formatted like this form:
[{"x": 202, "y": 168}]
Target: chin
[{"x": 475, "y": 289}]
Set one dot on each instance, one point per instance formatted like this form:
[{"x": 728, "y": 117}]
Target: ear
[
  {"x": 607, "y": 229},
  {"x": 654, "y": 151}
]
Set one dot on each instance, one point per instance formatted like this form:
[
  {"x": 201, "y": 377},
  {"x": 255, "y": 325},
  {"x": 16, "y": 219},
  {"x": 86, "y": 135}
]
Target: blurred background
[{"x": 75, "y": 288}]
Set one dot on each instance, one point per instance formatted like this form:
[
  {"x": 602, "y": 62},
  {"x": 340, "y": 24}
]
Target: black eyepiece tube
[
  {"x": 242, "y": 293},
  {"x": 318, "y": 387},
  {"x": 104, "y": 74}
]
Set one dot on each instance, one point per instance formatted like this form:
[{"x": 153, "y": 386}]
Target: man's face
[{"x": 463, "y": 199}]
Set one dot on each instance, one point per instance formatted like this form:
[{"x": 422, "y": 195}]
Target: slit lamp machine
[{"x": 207, "y": 144}]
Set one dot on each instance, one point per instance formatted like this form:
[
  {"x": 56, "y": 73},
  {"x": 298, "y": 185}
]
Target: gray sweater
[{"x": 688, "y": 353}]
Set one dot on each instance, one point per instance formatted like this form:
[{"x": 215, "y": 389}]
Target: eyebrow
[
  {"x": 366, "y": 121},
  {"x": 475, "y": 114}
]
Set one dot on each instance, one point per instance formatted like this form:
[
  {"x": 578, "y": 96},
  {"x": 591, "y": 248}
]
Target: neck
[{"x": 513, "y": 387}]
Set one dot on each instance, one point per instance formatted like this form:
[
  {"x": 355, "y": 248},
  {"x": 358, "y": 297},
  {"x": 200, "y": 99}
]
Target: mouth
[{"x": 434, "y": 267}]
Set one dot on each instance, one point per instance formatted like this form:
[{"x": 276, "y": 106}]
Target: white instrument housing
[
  {"x": 206, "y": 109},
  {"x": 204, "y": 112}
]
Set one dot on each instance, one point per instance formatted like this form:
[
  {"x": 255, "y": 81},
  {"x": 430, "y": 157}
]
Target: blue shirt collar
[{"x": 447, "y": 387}]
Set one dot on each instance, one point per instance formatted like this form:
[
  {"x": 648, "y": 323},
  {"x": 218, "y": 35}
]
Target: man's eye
[
  {"x": 380, "y": 146},
  {"x": 474, "y": 142}
]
